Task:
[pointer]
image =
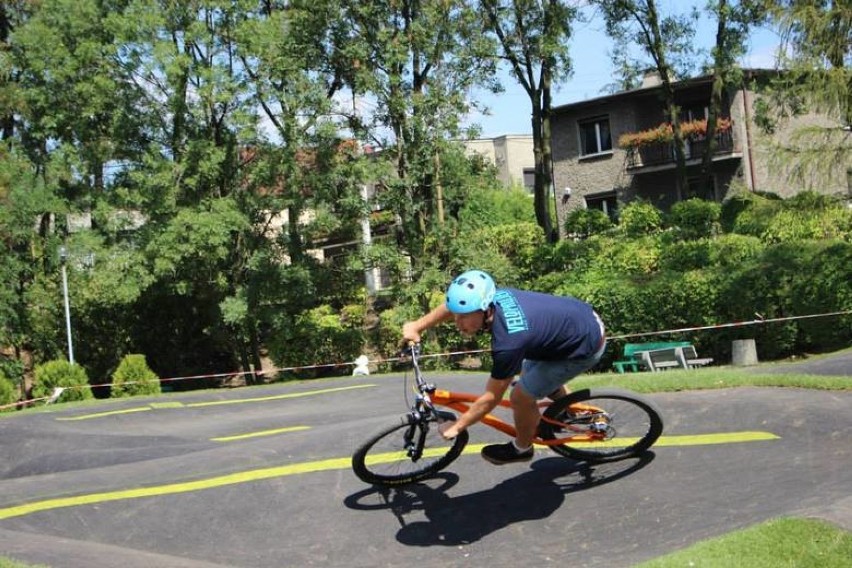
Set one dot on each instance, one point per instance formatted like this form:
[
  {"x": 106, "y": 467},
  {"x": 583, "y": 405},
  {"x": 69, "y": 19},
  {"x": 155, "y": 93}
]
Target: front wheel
[
  {"x": 409, "y": 451},
  {"x": 600, "y": 425}
]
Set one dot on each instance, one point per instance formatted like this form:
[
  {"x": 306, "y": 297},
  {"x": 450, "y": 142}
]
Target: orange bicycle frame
[{"x": 461, "y": 401}]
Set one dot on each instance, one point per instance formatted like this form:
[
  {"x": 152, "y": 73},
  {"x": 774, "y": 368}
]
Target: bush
[
  {"x": 686, "y": 255},
  {"x": 749, "y": 214},
  {"x": 133, "y": 378},
  {"x": 60, "y": 373},
  {"x": 320, "y": 336},
  {"x": 517, "y": 245},
  {"x": 732, "y": 251},
  {"x": 640, "y": 218},
  {"x": 822, "y": 286},
  {"x": 695, "y": 218},
  {"x": 8, "y": 393},
  {"x": 586, "y": 222},
  {"x": 628, "y": 256}
]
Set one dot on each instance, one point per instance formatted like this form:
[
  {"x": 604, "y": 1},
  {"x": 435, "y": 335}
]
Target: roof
[{"x": 684, "y": 84}]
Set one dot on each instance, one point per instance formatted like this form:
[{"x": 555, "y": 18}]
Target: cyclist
[{"x": 546, "y": 339}]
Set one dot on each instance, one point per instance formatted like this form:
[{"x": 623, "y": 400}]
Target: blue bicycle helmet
[{"x": 470, "y": 291}]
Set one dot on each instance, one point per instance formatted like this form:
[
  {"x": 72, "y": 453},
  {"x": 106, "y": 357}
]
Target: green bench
[{"x": 631, "y": 359}]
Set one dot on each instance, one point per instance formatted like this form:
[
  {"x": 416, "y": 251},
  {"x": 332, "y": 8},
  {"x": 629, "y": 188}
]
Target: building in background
[
  {"x": 591, "y": 169},
  {"x": 511, "y": 154}
]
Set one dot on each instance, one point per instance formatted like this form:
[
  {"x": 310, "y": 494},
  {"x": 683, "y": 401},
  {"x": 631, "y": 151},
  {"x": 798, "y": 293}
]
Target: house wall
[
  {"x": 590, "y": 175},
  {"x": 511, "y": 154},
  {"x": 752, "y": 164},
  {"x": 777, "y": 173}
]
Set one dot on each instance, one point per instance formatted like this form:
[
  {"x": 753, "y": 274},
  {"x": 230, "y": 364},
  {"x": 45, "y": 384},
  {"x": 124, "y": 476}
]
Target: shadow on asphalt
[{"x": 464, "y": 519}]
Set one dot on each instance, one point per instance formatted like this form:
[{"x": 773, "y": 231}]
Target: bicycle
[{"x": 592, "y": 425}]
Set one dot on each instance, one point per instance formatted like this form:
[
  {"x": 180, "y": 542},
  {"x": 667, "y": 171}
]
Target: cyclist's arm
[
  {"x": 494, "y": 391},
  {"x": 411, "y": 330}
]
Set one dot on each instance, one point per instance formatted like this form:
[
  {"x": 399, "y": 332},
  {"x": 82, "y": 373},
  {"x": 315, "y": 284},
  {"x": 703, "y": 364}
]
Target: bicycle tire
[
  {"x": 383, "y": 459},
  {"x": 630, "y": 424}
]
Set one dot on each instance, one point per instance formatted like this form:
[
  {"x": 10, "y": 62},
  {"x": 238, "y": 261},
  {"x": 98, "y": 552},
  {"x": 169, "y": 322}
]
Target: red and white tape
[{"x": 759, "y": 320}]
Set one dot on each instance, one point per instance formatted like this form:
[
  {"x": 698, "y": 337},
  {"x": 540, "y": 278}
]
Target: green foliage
[
  {"x": 639, "y": 256},
  {"x": 762, "y": 289},
  {"x": 133, "y": 378},
  {"x": 686, "y": 255},
  {"x": 60, "y": 373},
  {"x": 816, "y": 78},
  {"x": 640, "y": 218},
  {"x": 188, "y": 189},
  {"x": 320, "y": 335},
  {"x": 754, "y": 215},
  {"x": 8, "y": 393},
  {"x": 822, "y": 285},
  {"x": 487, "y": 206},
  {"x": 518, "y": 243},
  {"x": 586, "y": 222},
  {"x": 695, "y": 218},
  {"x": 805, "y": 216},
  {"x": 732, "y": 250}
]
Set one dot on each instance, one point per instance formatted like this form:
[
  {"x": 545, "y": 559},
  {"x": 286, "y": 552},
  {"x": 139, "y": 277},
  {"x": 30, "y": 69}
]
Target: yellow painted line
[
  {"x": 102, "y": 414},
  {"x": 277, "y": 396},
  {"x": 312, "y": 467},
  {"x": 687, "y": 440},
  {"x": 720, "y": 438},
  {"x": 174, "y": 488},
  {"x": 169, "y": 404},
  {"x": 260, "y": 433},
  {"x": 175, "y": 404}
]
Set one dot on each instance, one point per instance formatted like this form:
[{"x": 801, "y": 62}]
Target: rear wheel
[
  {"x": 606, "y": 424},
  {"x": 411, "y": 450}
]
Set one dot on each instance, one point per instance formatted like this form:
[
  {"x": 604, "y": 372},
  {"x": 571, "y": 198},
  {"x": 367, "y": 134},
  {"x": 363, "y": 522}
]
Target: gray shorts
[{"x": 540, "y": 378}]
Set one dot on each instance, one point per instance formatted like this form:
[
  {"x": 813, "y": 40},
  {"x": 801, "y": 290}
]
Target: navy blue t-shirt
[{"x": 532, "y": 325}]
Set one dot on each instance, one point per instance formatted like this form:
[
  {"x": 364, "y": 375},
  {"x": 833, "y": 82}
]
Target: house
[
  {"x": 592, "y": 170},
  {"x": 511, "y": 154}
]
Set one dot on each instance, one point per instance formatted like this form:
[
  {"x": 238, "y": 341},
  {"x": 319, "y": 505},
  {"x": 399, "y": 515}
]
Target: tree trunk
[
  {"x": 551, "y": 231},
  {"x": 715, "y": 101},
  {"x": 542, "y": 215}
]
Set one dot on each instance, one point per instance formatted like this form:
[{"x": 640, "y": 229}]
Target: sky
[{"x": 510, "y": 110}]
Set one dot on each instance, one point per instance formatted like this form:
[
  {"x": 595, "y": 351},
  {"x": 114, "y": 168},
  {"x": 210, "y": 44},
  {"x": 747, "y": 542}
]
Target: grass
[
  {"x": 710, "y": 378},
  {"x": 9, "y": 563},
  {"x": 780, "y": 543}
]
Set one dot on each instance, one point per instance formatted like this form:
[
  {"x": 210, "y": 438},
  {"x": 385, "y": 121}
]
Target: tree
[
  {"x": 667, "y": 41},
  {"x": 816, "y": 76},
  {"x": 733, "y": 21},
  {"x": 27, "y": 255},
  {"x": 417, "y": 60},
  {"x": 533, "y": 36}
]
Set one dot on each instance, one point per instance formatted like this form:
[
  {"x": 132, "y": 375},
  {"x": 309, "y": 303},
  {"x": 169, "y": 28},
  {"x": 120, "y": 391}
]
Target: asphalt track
[{"x": 260, "y": 478}]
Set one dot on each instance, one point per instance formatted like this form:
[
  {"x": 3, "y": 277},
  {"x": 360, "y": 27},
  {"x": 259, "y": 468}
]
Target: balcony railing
[{"x": 664, "y": 153}]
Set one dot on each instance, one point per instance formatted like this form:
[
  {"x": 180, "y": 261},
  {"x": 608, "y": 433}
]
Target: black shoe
[{"x": 500, "y": 454}]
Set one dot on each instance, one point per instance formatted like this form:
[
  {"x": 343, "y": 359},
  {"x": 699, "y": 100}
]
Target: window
[
  {"x": 699, "y": 187},
  {"x": 694, "y": 111},
  {"x": 529, "y": 179},
  {"x": 594, "y": 136},
  {"x": 606, "y": 202}
]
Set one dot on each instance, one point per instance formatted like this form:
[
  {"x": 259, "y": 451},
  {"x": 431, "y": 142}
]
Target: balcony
[{"x": 654, "y": 149}]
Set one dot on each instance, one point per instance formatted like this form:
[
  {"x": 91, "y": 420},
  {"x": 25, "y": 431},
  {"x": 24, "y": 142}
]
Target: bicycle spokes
[{"x": 604, "y": 424}]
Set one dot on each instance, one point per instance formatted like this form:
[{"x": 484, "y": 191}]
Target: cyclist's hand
[
  {"x": 410, "y": 333},
  {"x": 448, "y": 430}
]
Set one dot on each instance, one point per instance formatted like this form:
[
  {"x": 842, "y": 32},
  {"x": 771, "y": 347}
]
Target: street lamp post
[{"x": 63, "y": 257}]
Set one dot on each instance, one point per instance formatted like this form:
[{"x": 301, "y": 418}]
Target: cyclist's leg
[{"x": 542, "y": 379}]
